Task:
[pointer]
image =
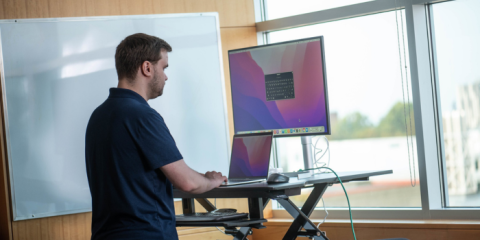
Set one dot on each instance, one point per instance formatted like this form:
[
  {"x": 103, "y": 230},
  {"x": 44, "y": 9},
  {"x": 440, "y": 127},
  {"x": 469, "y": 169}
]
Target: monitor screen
[
  {"x": 250, "y": 156},
  {"x": 280, "y": 88}
]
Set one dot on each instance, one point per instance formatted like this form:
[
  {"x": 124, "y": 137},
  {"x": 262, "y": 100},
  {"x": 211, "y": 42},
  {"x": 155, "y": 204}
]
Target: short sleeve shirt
[{"x": 126, "y": 143}]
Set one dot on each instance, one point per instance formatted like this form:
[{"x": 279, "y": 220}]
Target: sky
[{"x": 457, "y": 37}]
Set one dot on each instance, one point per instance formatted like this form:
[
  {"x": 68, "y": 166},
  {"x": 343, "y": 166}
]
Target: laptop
[{"x": 250, "y": 158}]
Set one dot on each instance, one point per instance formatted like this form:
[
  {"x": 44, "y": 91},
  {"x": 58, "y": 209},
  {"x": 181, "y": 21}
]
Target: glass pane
[
  {"x": 457, "y": 38},
  {"x": 284, "y": 8},
  {"x": 367, "y": 111}
]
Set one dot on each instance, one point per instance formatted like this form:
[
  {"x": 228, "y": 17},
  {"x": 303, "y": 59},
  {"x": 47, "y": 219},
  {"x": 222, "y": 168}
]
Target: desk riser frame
[{"x": 302, "y": 216}]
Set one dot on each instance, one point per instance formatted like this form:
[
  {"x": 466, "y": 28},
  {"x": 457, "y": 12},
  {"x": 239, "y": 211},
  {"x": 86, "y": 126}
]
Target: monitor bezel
[
  {"x": 327, "y": 103},
  {"x": 269, "y": 154}
]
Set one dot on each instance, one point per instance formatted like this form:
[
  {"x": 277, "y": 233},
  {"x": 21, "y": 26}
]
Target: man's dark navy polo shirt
[{"x": 126, "y": 143}]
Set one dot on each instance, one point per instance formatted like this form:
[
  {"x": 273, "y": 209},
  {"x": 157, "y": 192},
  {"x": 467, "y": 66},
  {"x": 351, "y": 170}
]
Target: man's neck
[{"x": 142, "y": 91}]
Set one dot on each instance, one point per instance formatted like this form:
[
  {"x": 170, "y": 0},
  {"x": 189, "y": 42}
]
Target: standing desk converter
[{"x": 259, "y": 194}]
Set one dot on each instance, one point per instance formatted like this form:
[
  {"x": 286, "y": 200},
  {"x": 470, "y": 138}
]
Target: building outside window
[{"x": 458, "y": 80}]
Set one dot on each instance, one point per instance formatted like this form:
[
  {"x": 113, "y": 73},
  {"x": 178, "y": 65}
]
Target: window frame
[{"x": 425, "y": 89}]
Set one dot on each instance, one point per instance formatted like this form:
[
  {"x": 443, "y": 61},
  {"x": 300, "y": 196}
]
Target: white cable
[
  {"x": 322, "y": 164},
  {"x": 409, "y": 110},
  {"x": 324, "y": 208},
  {"x": 316, "y": 150},
  {"x": 413, "y": 179}
]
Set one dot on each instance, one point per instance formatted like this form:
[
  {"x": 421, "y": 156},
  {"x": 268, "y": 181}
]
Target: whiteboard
[{"x": 55, "y": 72}]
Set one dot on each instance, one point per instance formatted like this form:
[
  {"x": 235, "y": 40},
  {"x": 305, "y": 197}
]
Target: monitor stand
[{"x": 307, "y": 152}]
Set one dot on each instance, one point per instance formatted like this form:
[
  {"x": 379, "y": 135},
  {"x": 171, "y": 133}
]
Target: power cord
[
  {"x": 411, "y": 164},
  {"x": 325, "y": 209},
  {"x": 348, "y": 200},
  {"x": 316, "y": 151}
]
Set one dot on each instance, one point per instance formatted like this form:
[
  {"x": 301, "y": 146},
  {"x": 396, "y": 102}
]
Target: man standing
[{"x": 132, "y": 160}]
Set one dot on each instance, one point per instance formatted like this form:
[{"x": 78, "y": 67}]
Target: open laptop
[{"x": 250, "y": 158}]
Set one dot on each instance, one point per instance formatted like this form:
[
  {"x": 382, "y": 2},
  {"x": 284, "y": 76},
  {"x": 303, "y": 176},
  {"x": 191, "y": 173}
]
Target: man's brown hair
[{"x": 136, "y": 49}]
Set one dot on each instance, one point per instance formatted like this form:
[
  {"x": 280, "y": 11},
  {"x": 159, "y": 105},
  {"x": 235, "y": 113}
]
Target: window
[
  {"x": 370, "y": 117},
  {"x": 285, "y": 8},
  {"x": 458, "y": 79},
  {"x": 367, "y": 65}
]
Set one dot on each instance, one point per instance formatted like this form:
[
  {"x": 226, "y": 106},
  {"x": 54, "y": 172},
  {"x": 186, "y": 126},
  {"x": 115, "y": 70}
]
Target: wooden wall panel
[
  {"x": 128, "y": 7},
  {"x": 424, "y": 230},
  {"x": 66, "y": 8},
  {"x": 37, "y": 8},
  {"x": 103, "y": 7},
  {"x": 168, "y": 6},
  {"x": 232, "y": 13},
  {"x": 14, "y": 9},
  {"x": 236, "y": 13},
  {"x": 5, "y": 213},
  {"x": 233, "y": 38}
]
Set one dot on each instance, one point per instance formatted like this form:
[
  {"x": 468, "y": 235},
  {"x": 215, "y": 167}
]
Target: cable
[
  {"x": 325, "y": 209},
  {"x": 316, "y": 150},
  {"x": 413, "y": 180},
  {"x": 324, "y": 164},
  {"x": 348, "y": 200}
]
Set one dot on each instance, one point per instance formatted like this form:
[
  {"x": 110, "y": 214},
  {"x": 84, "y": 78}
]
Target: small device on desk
[
  {"x": 299, "y": 174},
  {"x": 216, "y": 215},
  {"x": 277, "y": 178}
]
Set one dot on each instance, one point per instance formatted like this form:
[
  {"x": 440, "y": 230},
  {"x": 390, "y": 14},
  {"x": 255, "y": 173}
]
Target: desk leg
[
  {"x": 188, "y": 205},
  {"x": 255, "y": 208},
  {"x": 206, "y": 204},
  {"x": 301, "y": 216},
  {"x": 265, "y": 202},
  {"x": 242, "y": 233}
]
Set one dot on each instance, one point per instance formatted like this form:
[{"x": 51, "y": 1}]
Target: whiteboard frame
[{"x": 100, "y": 18}]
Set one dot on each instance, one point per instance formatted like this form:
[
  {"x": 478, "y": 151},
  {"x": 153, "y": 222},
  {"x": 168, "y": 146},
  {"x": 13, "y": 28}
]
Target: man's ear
[{"x": 146, "y": 69}]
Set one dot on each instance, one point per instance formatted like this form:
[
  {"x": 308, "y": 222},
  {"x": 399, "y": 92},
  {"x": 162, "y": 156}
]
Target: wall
[
  {"x": 237, "y": 22},
  {"x": 412, "y": 230}
]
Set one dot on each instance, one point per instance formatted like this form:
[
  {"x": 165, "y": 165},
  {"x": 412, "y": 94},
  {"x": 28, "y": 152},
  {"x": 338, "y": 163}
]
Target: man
[{"x": 132, "y": 160}]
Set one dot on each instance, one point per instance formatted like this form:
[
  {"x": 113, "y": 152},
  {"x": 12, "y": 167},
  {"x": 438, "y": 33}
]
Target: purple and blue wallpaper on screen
[
  {"x": 250, "y": 156},
  {"x": 252, "y": 111}
]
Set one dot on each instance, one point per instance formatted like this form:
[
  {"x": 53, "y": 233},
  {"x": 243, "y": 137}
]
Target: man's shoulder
[{"x": 129, "y": 107}]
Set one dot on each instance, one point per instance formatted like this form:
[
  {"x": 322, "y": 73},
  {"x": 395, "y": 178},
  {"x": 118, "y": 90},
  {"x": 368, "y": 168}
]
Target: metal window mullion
[
  {"x": 260, "y": 16},
  {"x": 423, "y": 105},
  {"x": 328, "y": 15},
  {"x": 438, "y": 107}
]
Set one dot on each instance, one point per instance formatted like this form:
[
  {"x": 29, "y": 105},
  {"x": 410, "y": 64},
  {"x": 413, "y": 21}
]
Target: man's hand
[
  {"x": 188, "y": 180},
  {"x": 216, "y": 177}
]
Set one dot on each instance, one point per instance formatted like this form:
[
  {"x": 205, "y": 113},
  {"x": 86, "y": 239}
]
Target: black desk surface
[{"x": 291, "y": 188}]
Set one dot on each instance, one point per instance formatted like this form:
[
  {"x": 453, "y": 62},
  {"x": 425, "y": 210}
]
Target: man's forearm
[
  {"x": 200, "y": 183},
  {"x": 188, "y": 180}
]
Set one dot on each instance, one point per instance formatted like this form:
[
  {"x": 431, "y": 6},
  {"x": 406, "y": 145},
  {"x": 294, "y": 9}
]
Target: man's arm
[{"x": 188, "y": 180}]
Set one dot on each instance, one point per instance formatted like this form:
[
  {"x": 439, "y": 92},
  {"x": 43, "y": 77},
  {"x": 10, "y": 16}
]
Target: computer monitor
[{"x": 280, "y": 88}]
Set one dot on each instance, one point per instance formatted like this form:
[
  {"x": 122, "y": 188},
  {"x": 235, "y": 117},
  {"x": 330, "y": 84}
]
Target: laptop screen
[{"x": 250, "y": 156}]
